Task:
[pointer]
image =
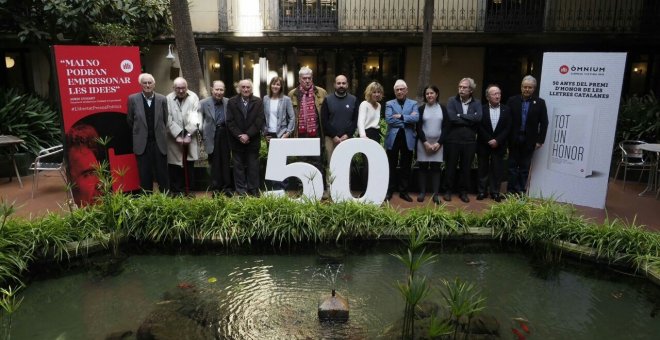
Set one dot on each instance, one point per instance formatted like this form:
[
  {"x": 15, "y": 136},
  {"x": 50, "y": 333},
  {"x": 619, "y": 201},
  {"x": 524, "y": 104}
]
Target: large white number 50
[{"x": 340, "y": 164}]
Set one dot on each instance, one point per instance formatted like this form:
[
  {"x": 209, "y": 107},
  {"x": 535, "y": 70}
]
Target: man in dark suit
[
  {"x": 245, "y": 119},
  {"x": 460, "y": 137},
  {"x": 216, "y": 137},
  {"x": 529, "y": 124},
  {"x": 147, "y": 118},
  {"x": 491, "y": 143}
]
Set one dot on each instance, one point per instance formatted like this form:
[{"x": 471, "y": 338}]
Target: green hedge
[{"x": 161, "y": 219}]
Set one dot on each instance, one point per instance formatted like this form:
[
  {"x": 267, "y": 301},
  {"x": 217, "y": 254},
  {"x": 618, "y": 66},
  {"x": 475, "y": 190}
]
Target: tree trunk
[
  {"x": 427, "y": 41},
  {"x": 187, "y": 48}
]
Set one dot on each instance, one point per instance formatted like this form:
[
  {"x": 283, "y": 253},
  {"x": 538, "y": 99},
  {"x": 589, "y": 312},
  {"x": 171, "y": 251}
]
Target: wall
[
  {"x": 463, "y": 62},
  {"x": 154, "y": 62},
  {"x": 204, "y": 15}
]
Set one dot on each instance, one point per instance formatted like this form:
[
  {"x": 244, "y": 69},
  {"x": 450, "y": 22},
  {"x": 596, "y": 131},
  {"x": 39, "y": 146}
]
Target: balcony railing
[
  {"x": 317, "y": 15},
  {"x": 520, "y": 16}
]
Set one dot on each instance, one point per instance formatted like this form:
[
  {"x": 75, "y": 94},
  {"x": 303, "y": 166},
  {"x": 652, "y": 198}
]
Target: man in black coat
[
  {"x": 245, "y": 119},
  {"x": 460, "y": 137},
  {"x": 529, "y": 124},
  {"x": 491, "y": 144},
  {"x": 216, "y": 137},
  {"x": 147, "y": 118}
]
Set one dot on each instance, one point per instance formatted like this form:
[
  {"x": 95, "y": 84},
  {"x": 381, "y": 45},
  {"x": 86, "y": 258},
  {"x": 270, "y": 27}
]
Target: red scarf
[{"x": 307, "y": 121}]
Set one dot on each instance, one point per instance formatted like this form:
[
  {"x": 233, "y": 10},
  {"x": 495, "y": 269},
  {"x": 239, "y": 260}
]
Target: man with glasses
[{"x": 464, "y": 117}]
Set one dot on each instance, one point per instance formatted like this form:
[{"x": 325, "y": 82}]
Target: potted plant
[{"x": 31, "y": 119}]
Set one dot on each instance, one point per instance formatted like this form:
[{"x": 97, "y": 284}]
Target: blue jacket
[{"x": 407, "y": 122}]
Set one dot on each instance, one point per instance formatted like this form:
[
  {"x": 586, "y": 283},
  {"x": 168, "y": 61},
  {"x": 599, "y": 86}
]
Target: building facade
[{"x": 489, "y": 40}]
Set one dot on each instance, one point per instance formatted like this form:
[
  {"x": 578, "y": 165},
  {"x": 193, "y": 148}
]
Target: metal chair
[
  {"x": 49, "y": 159},
  {"x": 633, "y": 157}
]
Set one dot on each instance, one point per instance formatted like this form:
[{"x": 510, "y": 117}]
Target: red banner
[{"x": 94, "y": 84}]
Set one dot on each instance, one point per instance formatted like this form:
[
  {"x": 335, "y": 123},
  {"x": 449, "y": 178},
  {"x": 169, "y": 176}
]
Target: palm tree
[
  {"x": 187, "y": 48},
  {"x": 427, "y": 42}
]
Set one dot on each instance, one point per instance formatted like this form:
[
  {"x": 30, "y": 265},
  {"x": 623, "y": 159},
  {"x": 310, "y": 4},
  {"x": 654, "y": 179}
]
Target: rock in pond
[{"x": 333, "y": 308}]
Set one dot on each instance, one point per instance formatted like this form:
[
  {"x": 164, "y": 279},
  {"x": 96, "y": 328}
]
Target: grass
[
  {"x": 9, "y": 304},
  {"x": 161, "y": 219},
  {"x": 415, "y": 288},
  {"x": 463, "y": 299}
]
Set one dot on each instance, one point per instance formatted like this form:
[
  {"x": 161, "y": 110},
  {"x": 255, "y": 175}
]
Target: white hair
[
  {"x": 490, "y": 87},
  {"x": 530, "y": 79},
  {"x": 243, "y": 81},
  {"x": 471, "y": 82},
  {"x": 142, "y": 77},
  {"x": 305, "y": 70},
  {"x": 180, "y": 80},
  {"x": 400, "y": 82}
]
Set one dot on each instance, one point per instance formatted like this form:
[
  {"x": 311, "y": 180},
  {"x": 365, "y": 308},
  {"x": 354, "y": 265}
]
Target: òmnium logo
[
  {"x": 581, "y": 70},
  {"x": 126, "y": 66}
]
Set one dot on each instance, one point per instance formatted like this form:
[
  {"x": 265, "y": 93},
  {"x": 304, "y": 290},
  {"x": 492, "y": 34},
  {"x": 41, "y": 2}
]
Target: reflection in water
[{"x": 276, "y": 297}]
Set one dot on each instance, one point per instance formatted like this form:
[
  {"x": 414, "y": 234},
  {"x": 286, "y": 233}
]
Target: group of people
[
  {"x": 454, "y": 133},
  {"x": 169, "y": 131}
]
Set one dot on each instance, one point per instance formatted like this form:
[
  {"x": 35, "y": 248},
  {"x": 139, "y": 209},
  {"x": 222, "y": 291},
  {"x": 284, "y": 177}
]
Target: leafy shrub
[
  {"x": 30, "y": 118},
  {"x": 639, "y": 118}
]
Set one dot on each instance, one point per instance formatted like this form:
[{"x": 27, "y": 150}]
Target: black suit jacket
[
  {"x": 137, "y": 122},
  {"x": 207, "y": 108},
  {"x": 537, "y": 120},
  {"x": 502, "y": 129},
  {"x": 461, "y": 128},
  {"x": 245, "y": 121}
]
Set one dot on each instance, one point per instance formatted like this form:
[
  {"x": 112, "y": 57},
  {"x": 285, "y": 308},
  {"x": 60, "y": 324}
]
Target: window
[{"x": 308, "y": 15}]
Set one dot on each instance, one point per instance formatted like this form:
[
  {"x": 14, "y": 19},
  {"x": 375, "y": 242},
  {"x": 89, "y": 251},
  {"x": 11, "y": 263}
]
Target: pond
[{"x": 274, "y": 296}]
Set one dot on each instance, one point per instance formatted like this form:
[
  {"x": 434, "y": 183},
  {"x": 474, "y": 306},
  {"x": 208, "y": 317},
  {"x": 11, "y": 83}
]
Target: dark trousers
[
  {"x": 316, "y": 161},
  {"x": 373, "y": 134},
  {"x": 401, "y": 155},
  {"x": 458, "y": 154},
  {"x": 178, "y": 175},
  {"x": 431, "y": 170},
  {"x": 152, "y": 164},
  {"x": 220, "y": 158},
  {"x": 275, "y": 185},
  {"x": 520, "y": 159},
  {"x": 246, "y": 171},
  {"x": 490, "y": 168}
]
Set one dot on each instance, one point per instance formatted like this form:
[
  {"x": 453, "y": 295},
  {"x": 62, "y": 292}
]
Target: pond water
[{"x": 271, "y": 296}]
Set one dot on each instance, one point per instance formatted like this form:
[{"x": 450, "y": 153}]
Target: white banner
[{"x": 582, "y": 92}]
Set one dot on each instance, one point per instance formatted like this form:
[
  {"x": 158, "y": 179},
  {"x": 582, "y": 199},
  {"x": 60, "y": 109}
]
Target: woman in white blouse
[
  {"x": 369, "y": 112},
  {"x": 280, "y": 118},
  {"x": 368, "y": 122}
]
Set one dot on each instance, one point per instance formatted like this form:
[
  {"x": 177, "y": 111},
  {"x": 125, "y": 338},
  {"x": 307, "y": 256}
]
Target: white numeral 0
[{"x": 340, "y": 164}]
